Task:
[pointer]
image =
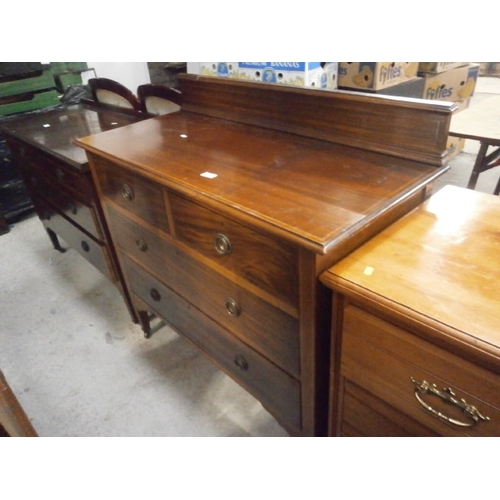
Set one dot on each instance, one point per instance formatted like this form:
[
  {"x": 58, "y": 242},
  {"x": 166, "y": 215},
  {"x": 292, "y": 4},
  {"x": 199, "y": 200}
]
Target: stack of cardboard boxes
[{"x": 450, "y": 81}]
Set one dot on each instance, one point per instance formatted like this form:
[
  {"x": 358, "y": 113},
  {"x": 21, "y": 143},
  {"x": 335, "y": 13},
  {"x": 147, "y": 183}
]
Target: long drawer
[
  {"x": 264, "y": 327},
  {"x": 66, "y": 203},
  {"x": 278, "y": 392},
  {"x": 92, "y": 250},
  {"x": 419, "y": 378}
]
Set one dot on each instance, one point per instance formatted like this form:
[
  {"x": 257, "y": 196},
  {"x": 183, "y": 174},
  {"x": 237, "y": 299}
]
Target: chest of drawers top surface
[
  {"x": 55, "y": 131},
  {"x": 437, "y": 265},
  {"x": 306, "y": 188}
]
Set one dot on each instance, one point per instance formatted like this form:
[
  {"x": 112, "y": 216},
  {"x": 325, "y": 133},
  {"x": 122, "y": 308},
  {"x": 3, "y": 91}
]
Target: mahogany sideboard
[
  {"x": 57, "y": 176},
  {"x": 416, "y": 346},
  {"x": 225, "y": 213}
]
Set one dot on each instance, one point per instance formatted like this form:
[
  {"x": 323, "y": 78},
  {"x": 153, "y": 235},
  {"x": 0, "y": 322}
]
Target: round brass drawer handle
[
  {"x": 222, "y": 244},
  {"x": 155, "y": 294},
  {"x": 141, "y": 244},
  {"x": 447, "y": 395},
  {"x": 241, "y": 362},
  {"x": 232, "y": 307},
  {"x": 127, "y": 192}
]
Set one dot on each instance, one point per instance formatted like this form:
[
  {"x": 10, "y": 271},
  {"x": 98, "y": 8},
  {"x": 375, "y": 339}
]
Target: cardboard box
[
  {"x": 375, "y": 75},
  {"x": 310, "y": 74},
  {"x": 220, "y": 69},
  {"x": 412, "y": 88},
  {"x": 438, "y": 67},
  {"x": 455, "y": 85},
  {"x": 454, "y": 145}
]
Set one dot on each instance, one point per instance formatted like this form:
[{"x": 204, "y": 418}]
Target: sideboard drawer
[
  {"x": 416, "y": 373},
  {"x": 130, "y": 191},
  {"x": 37, "y": 163},
  {"x": 266, "y": 263},
  {"x": 66, "y": 203},
  {"x": 277, "y": 391},
  {"x": 95, "y": 252},
  {"x": 266, "y": 328}
]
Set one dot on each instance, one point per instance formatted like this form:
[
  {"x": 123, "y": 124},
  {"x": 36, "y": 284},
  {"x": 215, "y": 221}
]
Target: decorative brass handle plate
[{"x": 447, "y": 395}]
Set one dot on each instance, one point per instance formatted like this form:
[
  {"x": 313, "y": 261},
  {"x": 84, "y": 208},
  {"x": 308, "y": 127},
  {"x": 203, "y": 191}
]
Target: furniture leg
[
  {"x": 478, "y": 165},
  {"x": 55, "y": 241}
]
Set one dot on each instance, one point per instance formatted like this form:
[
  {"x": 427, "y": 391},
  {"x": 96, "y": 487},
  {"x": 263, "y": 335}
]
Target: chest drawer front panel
[
  {"x": 277, "y": 391},
  {"x": 130, "y": 191},
  {"x": 385, "y": 357},
  {"x": 66, "y": 203},
  {"x": 93, "y": 251},
  {"x": 259, "y": 259},
  {"x": 41, "y": 165},
  {"x": 268, "y": 329}
]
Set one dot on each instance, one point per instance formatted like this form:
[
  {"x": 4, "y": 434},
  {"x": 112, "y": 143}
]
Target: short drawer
[
  {"x": 259, "y": 259},
  {"x": 37, "y": 163},
  {"x": 64, "y": 201},
  {"x": 384, "y": 359},
  {"x": 93, "y": 251},
  {"x": 276, "y": 390},
  {"x": 266, "y": 328},
  {"x": 133, "y": 192}
]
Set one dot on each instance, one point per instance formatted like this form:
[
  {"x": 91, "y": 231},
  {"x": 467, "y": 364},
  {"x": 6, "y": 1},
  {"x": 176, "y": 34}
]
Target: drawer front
[
  {"x": 93, "y": 251},
  {"x": 384, "y": 358},
  {"x": 277, "y": 391},
  {"x": 259, "y": 259},
  {"x": 365, "y": 415},
  {"x": 37, "y": 163},
  {"x": 130, "y": 191},
  {"x": 267, "y": 329},
  {"x": 66, "y": 203}
]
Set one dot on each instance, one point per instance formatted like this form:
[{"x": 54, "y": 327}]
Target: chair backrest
[
  {"x": 110, "y": 92},
  {"x": 159, "y": 99}
]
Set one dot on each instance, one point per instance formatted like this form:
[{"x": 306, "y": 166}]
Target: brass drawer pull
[
  {"x": 127, "y": 192},
  {"x": 241, "y": 362},
  {"x": 155, "y": 294},
  {"x": 447, "y": 395},
  {"x": 232, "y": 307},
  {"x": 222, "y": 244},
  {"x": 141, "y": 244}
]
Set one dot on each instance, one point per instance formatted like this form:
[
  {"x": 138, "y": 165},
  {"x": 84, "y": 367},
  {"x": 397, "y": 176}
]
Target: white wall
[{"x": 130, "y": 74}]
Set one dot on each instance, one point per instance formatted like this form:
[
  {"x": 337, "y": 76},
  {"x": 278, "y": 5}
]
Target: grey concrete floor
[{"x": 80, "y": 367}]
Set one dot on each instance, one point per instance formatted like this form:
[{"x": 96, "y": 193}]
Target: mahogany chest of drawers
[
  {"x": 224, "y": 218},
  {"x": 415, "y": 325},
  {"x": 57, "y": 176}
]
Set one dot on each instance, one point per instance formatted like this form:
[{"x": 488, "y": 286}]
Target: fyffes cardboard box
[
  {"x": 455, "y": 85},
  {"x": 375, "y": 75},
  {"x": 438, "y": 67}
]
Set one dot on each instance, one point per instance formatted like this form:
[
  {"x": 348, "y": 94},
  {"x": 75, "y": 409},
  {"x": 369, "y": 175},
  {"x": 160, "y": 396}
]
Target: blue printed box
[
  {"x": 310, "y": 74},
  {"x": 220, "y": 69}
]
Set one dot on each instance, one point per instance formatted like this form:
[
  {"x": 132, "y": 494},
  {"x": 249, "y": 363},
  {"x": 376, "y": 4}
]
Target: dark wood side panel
[{"x": 409, "y": 128}]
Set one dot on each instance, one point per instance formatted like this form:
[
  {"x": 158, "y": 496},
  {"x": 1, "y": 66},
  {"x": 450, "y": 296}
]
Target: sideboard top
[{"x": 308, "y": 190}]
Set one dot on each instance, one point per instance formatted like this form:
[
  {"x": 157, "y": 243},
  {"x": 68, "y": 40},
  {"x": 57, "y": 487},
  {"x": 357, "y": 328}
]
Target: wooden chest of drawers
[
  {"x": 57, "y": 176},
  {"x": 222, "y": 228},
  {"x": 415, "y": 324}
]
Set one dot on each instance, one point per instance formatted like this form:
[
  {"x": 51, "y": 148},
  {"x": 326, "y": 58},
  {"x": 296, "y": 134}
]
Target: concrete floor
[{"x": 80, "y": 367}]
